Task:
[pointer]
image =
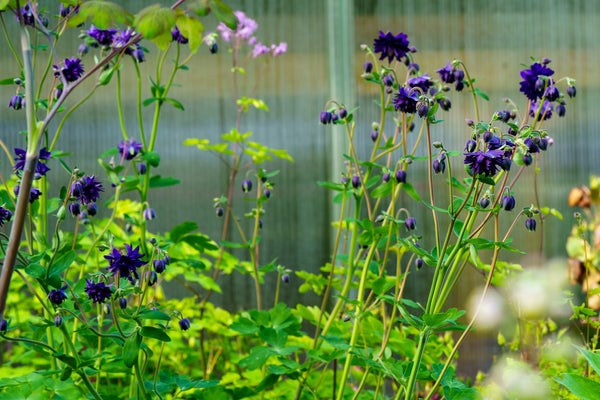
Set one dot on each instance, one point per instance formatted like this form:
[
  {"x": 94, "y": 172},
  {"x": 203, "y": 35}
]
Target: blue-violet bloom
[
  {"x": 57, "y": 296},
  {"x": 40, "y": 168},
  {"x": 530, "y": 86},
  {"x": 405, "y": 101},
  {"x": 484, "y": 163},
  {"x": 508, "y": 203},
  {"x": 129, "y": 148},
  {"x": 125, "y": 264},
  {"x": 184, "y": 324},
  {"x": 98, "y": 292},
  {"x": 16, "y": 102},
  {"x": 5, "y": 215},
  {"x": 392, "y": 47}
]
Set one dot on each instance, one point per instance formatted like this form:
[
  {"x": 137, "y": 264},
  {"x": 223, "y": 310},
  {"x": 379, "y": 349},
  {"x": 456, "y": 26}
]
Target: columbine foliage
[{"x": 86, "y": 312}]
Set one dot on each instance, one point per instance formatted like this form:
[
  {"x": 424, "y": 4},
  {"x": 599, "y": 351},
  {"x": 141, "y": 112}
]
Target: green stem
[
  {"x": 140, "y": 381},
  {"x": 415, "y": 368},
  {"x": 120, "y": 105}
]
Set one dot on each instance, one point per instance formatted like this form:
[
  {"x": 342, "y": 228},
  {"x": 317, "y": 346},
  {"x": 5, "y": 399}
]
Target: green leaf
[
  {"x": 191, "y": 29},
  {"x": 70, "y": 361},
  {"x": 152, "y": 158},
  {"x": 410, "y": 190},
  {"x": 106, "y": 76},
  {"x": 480, "y": 93},
  {"x": 233, "y": 245},
  {"x": 223, "y": 13},
  {"x": 154, "y": 21},
  {"x": 154, "y": 314},
  {"x": 62, "y": 262},
  {"x": 435, "y": 208},
  {"x": 36, "y": 271},
  {"x": 131, "y": 349},
  {"x": 331, "y": 185},
  {"x": 244, "y": 326},
  {"x": 582, "y": 387},
  {"x": 275, "y": 337},
  {"x": 382, "y": 285},
  {"x": 257, "y": 358},
  {"x": 592, "y": 358},
  {"x": 7, "y": 81},
  {"x": 383, "y": 190},
  {"x": 179, "y": 231},
  {"x": 158, "y": 181},
  {"x": 174, "y": 103},
  {"x": 103, "y": 14},
  {"x": 155, "y": 333}
]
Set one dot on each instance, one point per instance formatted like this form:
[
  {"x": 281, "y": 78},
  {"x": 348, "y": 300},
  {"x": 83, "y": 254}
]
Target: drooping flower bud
[
  {"x": 159, "y": 266},
  {"x": 527, "y": 159},
  {"x": 149, "y": 214},
  {"x": 484, "y": 202},
  {"x": 401, "y": 176},
  {"x": 419, "y": 263},
  {"x": 571, "y": 91},
  {"x": 388, "y": 80},
  {"x": 343, "y": 113},
  {"x": 355, "y": 182},
  {"x": 16, "y": 102},
  {"x": 267, "y": 193},
  {"x": 220, "y": 212},
  {"x": 246, "y": 185},
  {"x": 410, "y": 223},
  {"x": 325, "y": 117},
  {"x": 123, "y": 303},
  {"x": 508, "y": 202},
  {"x": 3, "y": 325},
  {"x": 58, "y": 321},
  {"x": 471, "y": 146},
  {"x": 374, "y": 135},
  {"x": 184, "y": 324},
  {"x": 530, "y": 224},
  {"x": 386, "y": 177},
  {"x": 285, "y": 278},
  {"x": 368, "y": 67},
  {"x": 92, "y": 209}
]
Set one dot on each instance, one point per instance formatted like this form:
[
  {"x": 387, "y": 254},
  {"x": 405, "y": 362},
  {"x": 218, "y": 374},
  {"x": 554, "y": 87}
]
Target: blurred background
[{"x": 323, "y": 62}]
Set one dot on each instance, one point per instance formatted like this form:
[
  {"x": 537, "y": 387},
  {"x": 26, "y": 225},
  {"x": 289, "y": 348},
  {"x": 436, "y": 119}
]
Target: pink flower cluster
[{"x": 244, "y": 32}]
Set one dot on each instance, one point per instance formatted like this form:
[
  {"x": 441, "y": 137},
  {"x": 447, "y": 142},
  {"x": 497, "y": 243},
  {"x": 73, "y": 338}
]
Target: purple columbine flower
[
  {"x": 72, "y": 70},
  {"x": 325, "y": 117},
  {"x": 355, "y": 182},
  {"x": 220, "y": 212},
  {"x": 57, "y": 296},
  {"x": 177, "y": 36},
  {"x": 246, "y": 185},
  {"x": 121, "y": 39},
  {"x": 83, "y": 49},
  {"x": 445, "y": 104},
  {"x": 58, "y": 321},
  {"x": 560, "y": 109},
  {"x": 5, "y": 215},
  {"x": 386, "y": 177},
  {"x": 551, "y": 93},
  {"x": 149, "y": 214},
  {"x": 138, "y": 53},
  {"x": 470, "y": 146},
  {"x": 422, "y": 110},
  {"x": 34, "y": 194},
  {"x": 102, "y": 37},
  {"x": 16, "y": 102},
  {"x": 392, "y": 47},
  {"x": 152, "y": 278},
  {"x": 424, "y": 82},
  {"x": 410, "y": 223},
  {"x": 527, "y": 159},
  {"x": 484, "y": 163},
  {"x": 75, "y": 209},
  {"x": 405, "y": 101},
  {"x": 27, "y": 15},
  {"x": 3, "y": 325},
  {"x": 40, "y": 169},
  {"x": 530, "y": 224},
  {"x": 508, "y": 202},
  {"x": 125, "y": 264},
  {"x": 89, "y": 189},
  {"x": 545, "y": 113},
  {"x": 530, "y": 85},
  {"x": 285, "y": 278},
  {"x": 368, "y": 67},
  {"x": 571, "y": 91},
  {"x": 98, "y": 292},
  {"x": 447, "y": 73},
  {"x": 92, "y": 209},
  {"x": 388, "y": 80},
  {"x": 279, "y": 49},
  {"x": 484, "y": 202},
  {"x": 129, "y": 148},
  {"x": 343, "y": 113},
  {"x": 184, "y": 324}
]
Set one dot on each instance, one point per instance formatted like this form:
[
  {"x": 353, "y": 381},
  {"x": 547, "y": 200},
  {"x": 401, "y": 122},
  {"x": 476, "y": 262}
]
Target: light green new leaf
[
  {"x": 191, "y": 29},
  {"x": 102, "y": 14},
  {"x": 580, "y": 386},
  {"x": 154, "y": 21}
]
